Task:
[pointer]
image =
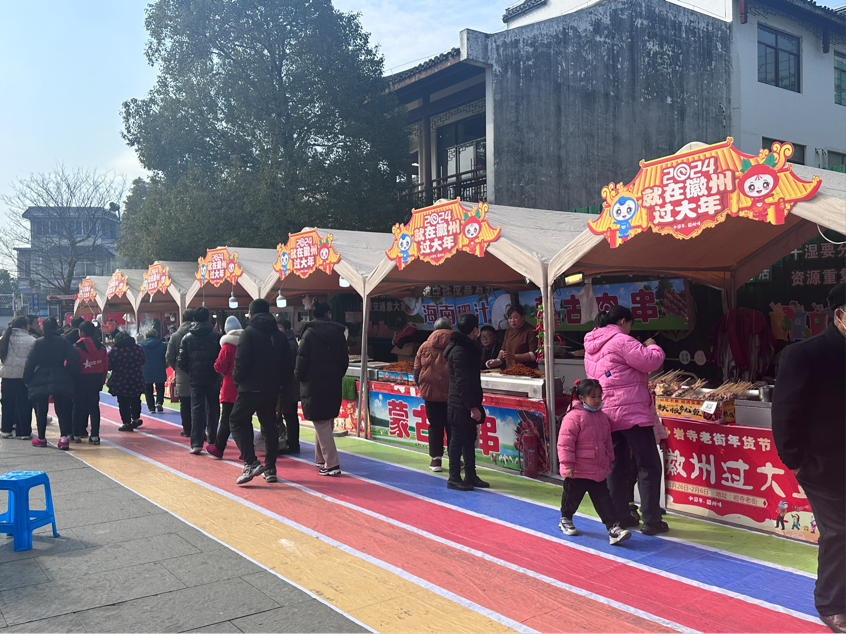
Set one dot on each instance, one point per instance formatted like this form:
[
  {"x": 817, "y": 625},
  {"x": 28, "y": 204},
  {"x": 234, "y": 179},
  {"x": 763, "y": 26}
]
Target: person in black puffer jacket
[
  {"x": 322, "y": 361},
  {"x": 262, "y": 369},
  {"x": 287, "y": 416},
  {"x": 464, "y": 404},
  {"x": 50, "y": 367},
  {"x": 197, "y": 353}
]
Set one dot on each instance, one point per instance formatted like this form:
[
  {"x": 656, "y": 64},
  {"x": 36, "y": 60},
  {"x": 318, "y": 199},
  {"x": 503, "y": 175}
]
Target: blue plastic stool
[{"x": 19, "y": 520}]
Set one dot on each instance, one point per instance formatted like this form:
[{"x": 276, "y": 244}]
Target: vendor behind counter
[{"x": 520, "y": 343}]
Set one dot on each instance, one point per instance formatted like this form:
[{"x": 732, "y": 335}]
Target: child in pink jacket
[{"x": 585, "y": 454}]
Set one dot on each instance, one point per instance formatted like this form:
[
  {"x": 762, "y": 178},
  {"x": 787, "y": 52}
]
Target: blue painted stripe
[{"x": 721, "y": 570}]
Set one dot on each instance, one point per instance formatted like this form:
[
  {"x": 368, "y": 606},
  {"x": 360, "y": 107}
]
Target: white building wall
[
  {"x": 721, "y": 9},
  {"x": 809, "y": 117}
]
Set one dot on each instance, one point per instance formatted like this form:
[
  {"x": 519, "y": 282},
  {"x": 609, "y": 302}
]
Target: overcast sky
[{"x": 66, "y": 67}]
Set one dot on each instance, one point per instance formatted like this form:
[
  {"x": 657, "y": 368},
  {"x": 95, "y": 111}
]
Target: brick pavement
[{"x": 122, "y": 564}]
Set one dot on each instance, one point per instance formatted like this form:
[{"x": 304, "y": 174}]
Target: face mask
[{"x": 591, "y": 409}]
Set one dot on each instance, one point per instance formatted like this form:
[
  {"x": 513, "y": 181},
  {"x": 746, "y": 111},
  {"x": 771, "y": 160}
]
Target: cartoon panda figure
[
  {"x": 202, "y": 274},
  {"x": 323, "y": 253},
  {"x": 404, "y": 246},
  {"x": 622, "y": 212}
]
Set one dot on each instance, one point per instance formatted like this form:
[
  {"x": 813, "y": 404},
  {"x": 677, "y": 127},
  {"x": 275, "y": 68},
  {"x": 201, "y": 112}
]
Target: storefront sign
[
  {"x": 425, "y": 311},
  {"x": 218, "y": 267},
  {"x": 86, "y": 292},
  {"x": 734, "y": 473},
  {"x": 436, "y": 233},
  {"x": 156, "y": 279},
  {"x": 305, "y": 253},
  {"x": 118, "y": 285},
  {"x": 397, "y": 412},
  {"x": 684, "y": 194}
]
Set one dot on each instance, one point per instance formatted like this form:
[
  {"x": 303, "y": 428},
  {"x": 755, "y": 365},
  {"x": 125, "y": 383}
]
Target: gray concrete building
[{"x": 574, "y": 94}]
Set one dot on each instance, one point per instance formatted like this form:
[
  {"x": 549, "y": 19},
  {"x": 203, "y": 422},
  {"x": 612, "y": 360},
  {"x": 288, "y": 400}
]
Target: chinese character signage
[
  {"x": 156, "y": 279},
  {"x": 218, "y": 267},
  {"x": 86, "y": 292},
  {"x": 683, "y": 194},
  {"x": 436, "y": 233},
  {"x": 305, "y": 253},
  {"x": 397, "y": 412},
  {"x": 734, "y": 473},
  {"x": 118, "y": 285},
  {"x": 655, "y": 304}
]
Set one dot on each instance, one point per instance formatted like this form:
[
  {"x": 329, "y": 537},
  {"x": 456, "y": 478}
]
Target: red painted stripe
[{"x": 684, "y": 604}]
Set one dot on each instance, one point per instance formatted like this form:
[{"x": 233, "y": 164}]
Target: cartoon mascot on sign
[
  {"x": 622, "y": 216},
  {"x": 757, "y": 182}
]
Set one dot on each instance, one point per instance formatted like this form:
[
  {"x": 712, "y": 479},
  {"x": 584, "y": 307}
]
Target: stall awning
[
  {"x": 360, "y": 253},
  {"x": 172, "y": 297},
  {"x": 529, "y": 240},
  {"x": 725, "y": 256},
  {"x": 257, "y": 272},
  {"x": 100, "y": 283}
]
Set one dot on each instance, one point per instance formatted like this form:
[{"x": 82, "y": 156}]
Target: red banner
[
  {"x": 118, "y": 285},
  {"x": 86, "y": 292},
  {"x": 686, "y": 193},
  {"x": 436, "y": 233},
  {"x": 156, "y": 279},
  {"x": 734, "y": 473},
  {"x": 305, "y": 253},
  {"x": 217, "y": 267}
]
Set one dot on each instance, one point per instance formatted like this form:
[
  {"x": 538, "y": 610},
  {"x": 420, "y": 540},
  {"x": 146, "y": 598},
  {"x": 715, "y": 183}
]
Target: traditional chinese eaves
[{"x": 429, "y": 67}]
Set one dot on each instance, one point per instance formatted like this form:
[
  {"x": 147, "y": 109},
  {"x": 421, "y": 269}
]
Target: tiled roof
[
  {"x": 819, "y": 9},
  {"x": 451, "y": 56},
  {"x": 521, "y": 8}
]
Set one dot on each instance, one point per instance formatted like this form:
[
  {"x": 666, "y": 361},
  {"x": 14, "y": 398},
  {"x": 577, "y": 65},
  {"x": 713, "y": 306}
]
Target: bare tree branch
[{"x": 60, "y": 220}]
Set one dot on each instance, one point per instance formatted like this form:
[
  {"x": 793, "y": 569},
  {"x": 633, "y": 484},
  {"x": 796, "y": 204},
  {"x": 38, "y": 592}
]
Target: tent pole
[
  {"x": 549, "y": 367},
  {"x": 361, "y": 414}
]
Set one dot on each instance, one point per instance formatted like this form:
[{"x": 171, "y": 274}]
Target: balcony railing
[{"x": 469, "y": 186}]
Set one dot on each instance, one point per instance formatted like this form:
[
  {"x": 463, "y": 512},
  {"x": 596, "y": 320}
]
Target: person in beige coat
[{"x": 431, "y": 374}]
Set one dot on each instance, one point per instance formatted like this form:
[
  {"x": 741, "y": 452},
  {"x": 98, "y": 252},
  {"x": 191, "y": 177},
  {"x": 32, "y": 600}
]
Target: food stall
[
  {"x": 717, "y": 216},
  {"x": 91, "y": 296},
  {"x": 493, "y": 252},
  {"x": 320, "y": 264},
  {"x": 163, "y": 291}
]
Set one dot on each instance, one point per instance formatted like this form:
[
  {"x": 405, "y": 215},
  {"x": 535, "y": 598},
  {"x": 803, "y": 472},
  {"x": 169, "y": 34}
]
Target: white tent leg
[
  {"x": 363, "y": 401},
  {"x": 549, "y": 368}
]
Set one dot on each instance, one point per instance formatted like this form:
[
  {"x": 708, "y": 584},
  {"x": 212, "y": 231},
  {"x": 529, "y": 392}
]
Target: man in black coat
[
  {"x": 464, "y": 405},
  {"x": 263, "y": 367},
  {"x": 289, "y": 397},
  {"x": 73, "y": 335},
  {"x": 809, "y": 429},
  {"x": 181, "y": 387},
  {"x": 197, "y": 353},
  {"x": 322, "y": 360}
]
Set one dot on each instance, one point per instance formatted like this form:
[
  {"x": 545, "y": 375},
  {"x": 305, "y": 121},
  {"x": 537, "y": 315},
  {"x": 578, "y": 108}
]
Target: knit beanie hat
[{"x": 231, "y": 324}]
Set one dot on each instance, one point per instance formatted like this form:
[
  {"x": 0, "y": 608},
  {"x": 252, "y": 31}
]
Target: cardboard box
[{"x": 691, "y": 409}]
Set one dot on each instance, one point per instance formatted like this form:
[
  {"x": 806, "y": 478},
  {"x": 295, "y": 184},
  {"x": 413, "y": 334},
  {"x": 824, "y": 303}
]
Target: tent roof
[
  {"x": 101, "y": 283},
  {"x": 258, "y": 271},
  {"x": 724, "y": 256},
  {"x": 530, "y": 239},
  {"x": 181, "y": 277},
  {"x": 361, "y": 252}
]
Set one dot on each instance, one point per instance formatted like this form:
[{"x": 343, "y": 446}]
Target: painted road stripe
[
  {"x": 516, "y": 595},
  {"x": 558, "y": 541},
  {"x": 355, "y": 582}
]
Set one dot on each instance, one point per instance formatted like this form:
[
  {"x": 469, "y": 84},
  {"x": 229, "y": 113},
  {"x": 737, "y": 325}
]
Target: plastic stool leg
[
  {"x": 48, "y": 497},
  {"x": 22, "y": 533}
]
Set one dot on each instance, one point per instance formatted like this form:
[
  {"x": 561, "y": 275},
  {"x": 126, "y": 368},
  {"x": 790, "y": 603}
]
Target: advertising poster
[
  {"x": 398, "y": 413},
  {"x": 734, "y": 474}
]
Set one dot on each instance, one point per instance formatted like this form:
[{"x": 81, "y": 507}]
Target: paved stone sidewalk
[{"x": 123, "y": 564}]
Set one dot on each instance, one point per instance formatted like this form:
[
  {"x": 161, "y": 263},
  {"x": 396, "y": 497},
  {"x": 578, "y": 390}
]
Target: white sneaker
[
  {"x": 196, "y": 450},
  {"x": 567, "y": 527},
  {"x": 617, "y": 535},
  {"x": 7, "y": 434}
]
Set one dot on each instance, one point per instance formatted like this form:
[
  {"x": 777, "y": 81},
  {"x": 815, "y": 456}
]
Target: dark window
[
  {"x": 840, "y": 78},
  {"x": 798, "y": 150},
  {"x": 461, "y": 146},
  {"x": 836, "y": 158},
  {"x": 778, "y": 59}
]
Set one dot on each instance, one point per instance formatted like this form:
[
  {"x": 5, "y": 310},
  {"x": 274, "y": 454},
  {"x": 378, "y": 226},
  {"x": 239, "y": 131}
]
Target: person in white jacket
[{"x": 15, "y": 344}]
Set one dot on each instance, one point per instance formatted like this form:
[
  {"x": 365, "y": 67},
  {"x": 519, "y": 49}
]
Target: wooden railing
[{"x": 470, "y": 186}]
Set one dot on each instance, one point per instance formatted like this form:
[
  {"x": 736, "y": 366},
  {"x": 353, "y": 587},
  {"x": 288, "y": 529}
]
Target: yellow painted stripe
[{"x": 379, "y": 599}]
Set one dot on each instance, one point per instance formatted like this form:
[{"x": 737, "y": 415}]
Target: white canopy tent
[
  {"x": 100, "y": 284},
  {"x": 173, "y": 299},
  {"x": 257, "y": 265}
]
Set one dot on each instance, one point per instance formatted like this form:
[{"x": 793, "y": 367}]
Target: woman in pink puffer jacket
[
  {"x": 585, "y": 453},
  {"x": 621, "y": 363}
]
